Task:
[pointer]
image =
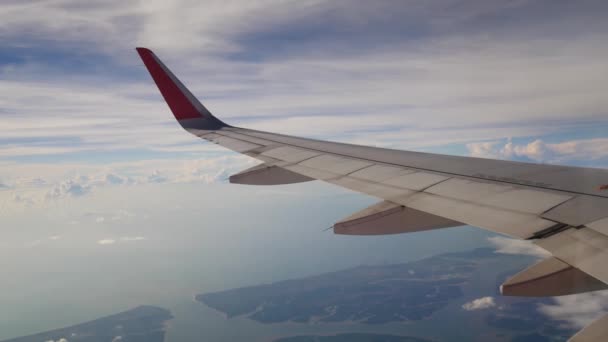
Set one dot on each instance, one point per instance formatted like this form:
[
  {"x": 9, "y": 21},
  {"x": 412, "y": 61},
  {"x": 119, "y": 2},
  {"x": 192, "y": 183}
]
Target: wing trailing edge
[
  {"x": 390, "y": 218},
  {"x": 550, "y": 277},
  {"x": 264, "y": 174}
]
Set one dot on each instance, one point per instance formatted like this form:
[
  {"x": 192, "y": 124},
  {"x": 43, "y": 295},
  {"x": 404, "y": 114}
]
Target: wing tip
[
  {"x": 141, "y": 49},
  {"x": 186, "y": 108}
]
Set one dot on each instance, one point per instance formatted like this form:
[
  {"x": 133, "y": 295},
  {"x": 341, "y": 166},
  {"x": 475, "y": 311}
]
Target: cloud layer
[
  {"x": 578, "y": 310},
  {"x": 507, "y": 245},
  {"x": 583, "y": 150},
  {"x": 479, "y": 304},
  {"x": 415, "y": 75}
]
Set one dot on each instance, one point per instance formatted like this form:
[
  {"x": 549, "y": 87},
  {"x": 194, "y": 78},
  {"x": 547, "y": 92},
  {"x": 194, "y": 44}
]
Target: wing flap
[
  {"x": 264, "y": 174},
  {"x": 595, "y": 332},
  {"x": 584, "y": 248},
  {"x": 512, "y": 223},
  {"x": 390, "y": 218},
  {"x": 550, "y": 277},
  {"x": 579, "y": 210}
]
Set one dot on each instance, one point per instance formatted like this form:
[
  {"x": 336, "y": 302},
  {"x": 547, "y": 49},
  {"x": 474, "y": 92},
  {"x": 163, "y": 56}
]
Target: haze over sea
[{"x": 164, "y": 258}]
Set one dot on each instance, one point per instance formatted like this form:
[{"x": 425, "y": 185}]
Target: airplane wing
[{"x": 560, "y": 208}]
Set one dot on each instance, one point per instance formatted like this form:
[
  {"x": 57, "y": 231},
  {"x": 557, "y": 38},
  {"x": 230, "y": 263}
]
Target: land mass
[
  {"x": 143, "y": 323},
  {"x": 407, "y": 292},
  {"x": 364, "y": 294}
]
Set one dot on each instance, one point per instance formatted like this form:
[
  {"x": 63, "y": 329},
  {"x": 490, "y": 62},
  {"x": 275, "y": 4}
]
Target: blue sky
[
  {"x": 82, "y": 120},
  {"x": 460, "y": 77}
]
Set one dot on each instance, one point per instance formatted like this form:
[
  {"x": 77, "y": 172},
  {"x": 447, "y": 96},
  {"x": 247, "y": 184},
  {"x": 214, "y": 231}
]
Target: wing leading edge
[{"x": 562, "y": 209}]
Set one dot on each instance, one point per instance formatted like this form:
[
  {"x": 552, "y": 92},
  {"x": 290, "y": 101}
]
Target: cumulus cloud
[
  {"x": 539, "y": 151},
  {"x": 114, "y": 179},
  {"x": 68, "y": 188},
  {"x": 30, "y": 182},
  {"x": 23, "y": 199},
  {"x": 507, "y": 245},
  {"x": 479, "y": 304},
  {"x": 60, "y": 183},
  {"x": 579, "y": 310},
  {"x": 156, "y": 177}
]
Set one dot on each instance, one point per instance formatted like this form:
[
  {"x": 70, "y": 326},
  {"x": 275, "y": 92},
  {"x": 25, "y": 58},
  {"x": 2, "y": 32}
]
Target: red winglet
[{"x": 181, "y": 102}]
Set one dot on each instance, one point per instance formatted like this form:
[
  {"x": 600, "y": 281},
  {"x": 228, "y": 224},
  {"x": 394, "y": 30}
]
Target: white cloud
[
  {"x": 74, "y": 181},
  {"x": 30, "y": 182},
  {"x": 514, "y": 246},
  {"x": 63, "y": 339},
  {"x": 538, "y": 150},
  {"x": 124, "y": 239},
  {"x": 132, "y": 238},
  {"x": 69, "y": 188},
  {"x": 23, "y": 199},
  {"x": 479, "y": 304},
  {"x": 577, "y": 310},
  {"x": 454, "y": 87}
]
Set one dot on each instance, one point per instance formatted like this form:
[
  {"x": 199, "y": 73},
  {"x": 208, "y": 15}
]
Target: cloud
[
  {"x": 577, "y": 311},
  {"x": 59, "y": 181},
  {"x": 506, "y": 245},
  {"x": 156, "y": 177},
  {"x": 413, "y": 69},
  {"x": 539, "y": 151},
  {"x": 68, "y": 188},
  {"x": 132, "y": 238},
  {"x": 114, "y": 179},
  {"x": 479, "y": 304},
  {"x": 124, "y": 239},
  {"x": 39, "y": 242},
  {"x": 23, "y": 199}
]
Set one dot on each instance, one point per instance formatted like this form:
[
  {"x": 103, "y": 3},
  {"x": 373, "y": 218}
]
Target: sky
[{"x": 81, "y": 119}]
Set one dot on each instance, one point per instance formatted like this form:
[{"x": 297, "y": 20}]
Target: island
[
  {"x": 143, "y": 323},
  {"x": 365, "y": 294},
  {"x": 400, "y": 293}
]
